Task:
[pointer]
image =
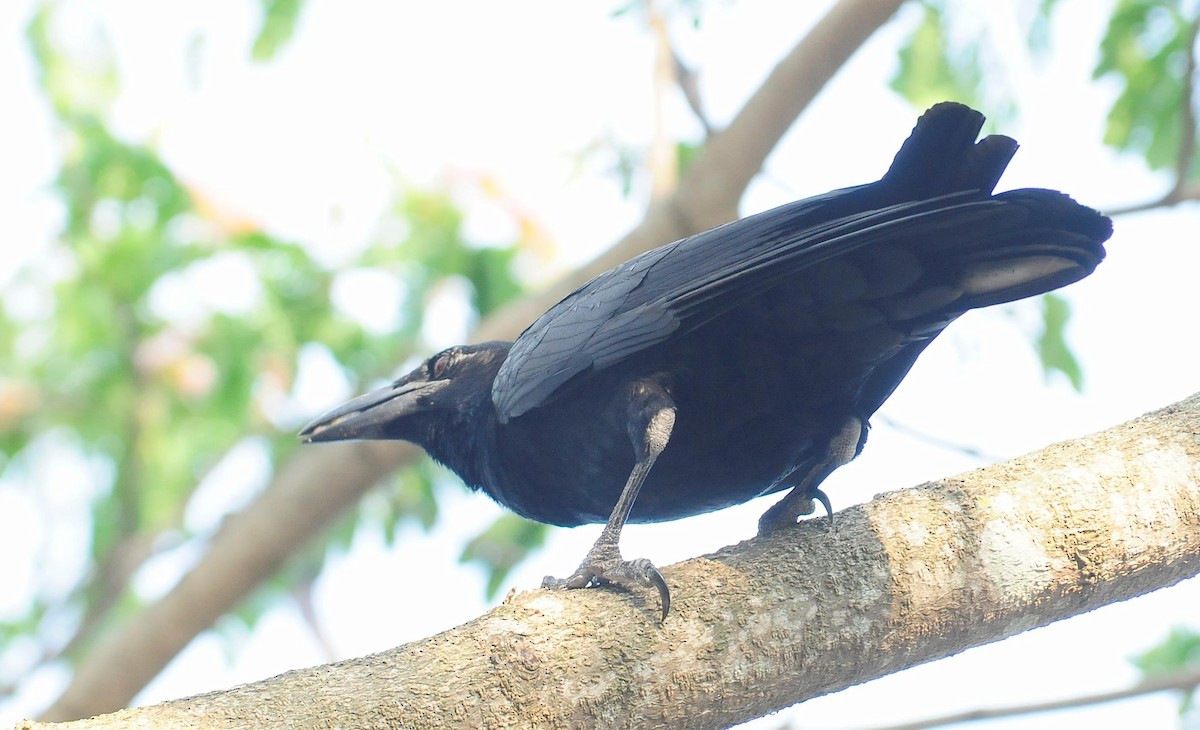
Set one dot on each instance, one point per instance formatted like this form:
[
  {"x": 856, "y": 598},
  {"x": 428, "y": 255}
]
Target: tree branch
[
  {"x": 663, "y": 159},
  {"x": 913, "y": 576},
  {"x": 1186, "y": 680},
  {"x": 1176, "y": 195},
  {"x": 316, "y": 485},
  {"x": 1184, "y": 157}
]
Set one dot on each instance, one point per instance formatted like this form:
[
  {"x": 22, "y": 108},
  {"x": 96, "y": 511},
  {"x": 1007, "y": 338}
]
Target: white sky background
[{"x": 515, "y": 91}]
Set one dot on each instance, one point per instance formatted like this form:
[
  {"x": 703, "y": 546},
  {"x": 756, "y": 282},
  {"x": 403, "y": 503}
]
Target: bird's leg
[
  {"x": 842, "y": 449},
  {"x": 651, "y": 418}
]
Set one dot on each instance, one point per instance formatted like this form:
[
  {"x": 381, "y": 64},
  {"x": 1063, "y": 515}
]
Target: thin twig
[
  {"x": 938, "y": 441},
  {"x": 1187, "y": 115},
  {"x": 1184, "y": 680},
  {"x": 1174, "y": 197},
  {"x": 302, "y": 594}
]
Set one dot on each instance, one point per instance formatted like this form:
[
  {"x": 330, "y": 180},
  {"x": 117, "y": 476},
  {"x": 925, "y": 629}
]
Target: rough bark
[
  {"x": 914, "y": 575},
  {"x": 315, "y": 487}
]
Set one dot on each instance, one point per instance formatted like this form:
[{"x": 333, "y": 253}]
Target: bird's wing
[
  {"x": 999, "y": 248},
  {"x": 939, "y": 169},
  {"x": 628, "y": 307}
]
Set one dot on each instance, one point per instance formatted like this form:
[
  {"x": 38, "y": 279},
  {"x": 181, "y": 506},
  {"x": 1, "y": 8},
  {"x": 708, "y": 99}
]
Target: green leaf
[
  {"x": 411, "y": 497},
  {"x": 685, "y": 154},
  {"x": 1052, "y": 348},
  {"x": 83, "y": 83},
  {"x": 932, "y": 69},
  {"x": 499, "y": 548},
  {"x": 278, "y": 26},
  {"x": 491, "y": 278},
  {"x": 1178, "y": 652},
  {"x": 1145, "y": 49}
]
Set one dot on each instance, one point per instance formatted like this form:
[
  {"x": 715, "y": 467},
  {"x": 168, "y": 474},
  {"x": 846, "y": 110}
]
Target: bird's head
[{"x": 439, "y": 394}]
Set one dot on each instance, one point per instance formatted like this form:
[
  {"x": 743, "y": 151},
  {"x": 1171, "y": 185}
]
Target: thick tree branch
[
  {"x": 317, "y": 485},
  {"x": 913, "y": 576}
]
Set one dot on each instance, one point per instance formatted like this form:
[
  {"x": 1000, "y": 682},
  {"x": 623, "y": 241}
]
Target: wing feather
[{"x": 936, "y": 199}]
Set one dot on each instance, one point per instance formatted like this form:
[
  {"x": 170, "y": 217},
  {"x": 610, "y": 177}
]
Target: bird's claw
[
  {"x": 628, "y": 574},
  {"x": 785, "y": 512}
]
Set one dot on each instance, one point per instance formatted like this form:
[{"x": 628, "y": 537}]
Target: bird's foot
[
  {"x": 792, "y": 507},
  {"x": 605, "y": 566}
]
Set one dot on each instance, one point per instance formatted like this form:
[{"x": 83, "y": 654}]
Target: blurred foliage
[
  {"x": 1179, "y": 652},
  {"x": 622, "y": 161},
  {"x": 279, "y": 23},
  {"x": 690, "y": 10},
  {"x": 72, "y": 86},
  {"x": 502, "y": 546},
  {"x": 932, "y": 68},
  {"x": 1039, "y": 26},
  {"x": 1052, "y": 348},
  {"x": 685, "y": 154},
  {"x": 1149, "y": 49},
  {"x": 102, "y": 360}
]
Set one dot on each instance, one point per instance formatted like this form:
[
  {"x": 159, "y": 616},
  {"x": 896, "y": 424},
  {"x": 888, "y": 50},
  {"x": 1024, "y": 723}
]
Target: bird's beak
[{"x": 368, "y": 415}]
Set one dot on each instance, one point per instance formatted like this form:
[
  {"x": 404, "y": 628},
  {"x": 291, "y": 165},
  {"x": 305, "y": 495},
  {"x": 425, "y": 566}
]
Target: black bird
[{"x": 738, "y": 362}]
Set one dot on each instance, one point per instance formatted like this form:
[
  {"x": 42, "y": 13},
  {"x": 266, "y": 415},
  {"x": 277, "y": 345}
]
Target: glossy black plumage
[{"x": 739, "y": 362}]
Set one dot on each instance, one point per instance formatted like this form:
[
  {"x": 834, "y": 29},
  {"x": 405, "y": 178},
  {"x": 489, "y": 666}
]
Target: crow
[{"x": 739, "y": 362}]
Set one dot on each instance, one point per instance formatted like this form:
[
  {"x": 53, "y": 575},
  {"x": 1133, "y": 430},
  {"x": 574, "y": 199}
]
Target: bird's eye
[{"x": 440, "y": 364}]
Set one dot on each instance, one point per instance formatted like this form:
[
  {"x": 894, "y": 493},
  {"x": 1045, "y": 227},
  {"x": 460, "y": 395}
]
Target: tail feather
[
  {"x": 1061, "y": 243},
  {"x": 941, "y": 155},
  {"x": 1017, "y": 244}
]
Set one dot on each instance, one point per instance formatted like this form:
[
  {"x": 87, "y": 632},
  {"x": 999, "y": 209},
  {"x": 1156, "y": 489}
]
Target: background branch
[{"x": 1176, "y": 681}]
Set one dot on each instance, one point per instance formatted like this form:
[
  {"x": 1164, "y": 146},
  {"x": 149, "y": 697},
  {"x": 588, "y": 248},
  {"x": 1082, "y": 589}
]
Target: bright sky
[{"x": 514, "y": 91}]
